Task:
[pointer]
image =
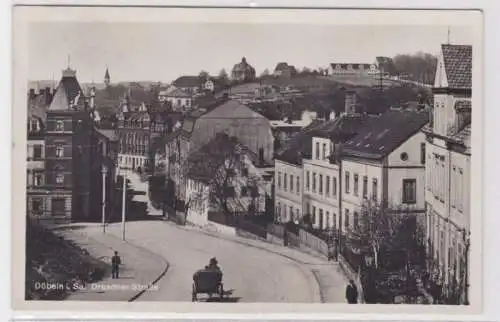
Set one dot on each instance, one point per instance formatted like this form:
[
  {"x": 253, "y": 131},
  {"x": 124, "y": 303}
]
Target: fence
[{"x": 313, "y": 242}]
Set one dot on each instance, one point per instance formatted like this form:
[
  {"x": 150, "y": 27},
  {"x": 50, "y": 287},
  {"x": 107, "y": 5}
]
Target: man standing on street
[
  {"x": 351, "y": 293},
  {"x": 115, "y": 264}
]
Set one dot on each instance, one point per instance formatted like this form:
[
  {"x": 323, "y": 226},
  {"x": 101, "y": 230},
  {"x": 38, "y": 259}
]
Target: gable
[{"x": 440, "y": 80}]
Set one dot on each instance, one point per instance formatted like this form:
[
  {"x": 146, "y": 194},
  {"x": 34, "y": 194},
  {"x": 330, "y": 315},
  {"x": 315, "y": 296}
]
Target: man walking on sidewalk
[{"x": 115, "y": 264}]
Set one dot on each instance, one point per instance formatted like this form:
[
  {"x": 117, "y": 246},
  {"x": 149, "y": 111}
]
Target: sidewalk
[
  {"x": 331, "y": 279},
  {"x": 139, "y": 271}
]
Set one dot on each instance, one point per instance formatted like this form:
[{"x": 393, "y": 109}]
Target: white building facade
[
  {"x": 384, "y": 165},
  {"x": 447, "y": 187},
  {"x": 288, "y": 191}
]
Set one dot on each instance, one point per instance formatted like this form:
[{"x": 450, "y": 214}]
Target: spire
[
  {"x": 448, "y": 39},
  {"x": 107, "y": 79}
]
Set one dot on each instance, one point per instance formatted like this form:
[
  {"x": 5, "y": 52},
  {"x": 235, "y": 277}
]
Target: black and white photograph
[{"x": 247, "y": 159}]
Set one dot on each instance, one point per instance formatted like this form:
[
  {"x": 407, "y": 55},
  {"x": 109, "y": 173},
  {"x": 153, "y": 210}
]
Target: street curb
[
  {"x": 319, "y": 293},
  {"x": 157, "y": 279}
]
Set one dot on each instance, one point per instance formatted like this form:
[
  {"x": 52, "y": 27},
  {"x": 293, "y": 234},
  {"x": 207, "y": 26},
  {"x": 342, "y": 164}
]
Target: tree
[
  {"x": 420, "y": 67},
  {"x": 265, "y": 73},
  {"x": 220, "y": 167},
  {"x": 306, "y": 71},
  {"x": 203, "y": 74},
  {"x": 374, "y": 228},
  {"x": 223, "y": 76}
]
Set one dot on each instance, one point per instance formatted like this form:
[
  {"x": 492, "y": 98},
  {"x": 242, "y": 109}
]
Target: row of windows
[
  {"x": 36, "y": 179},
  {"x": 290, "y": 182},
  {"x": 321, "y": 217},
  {"x": 321, "y": 184},
  {"x": 287, "y": 213},
  {"x": 347, "y": 186},
  {"x": 323, "y": 153}
]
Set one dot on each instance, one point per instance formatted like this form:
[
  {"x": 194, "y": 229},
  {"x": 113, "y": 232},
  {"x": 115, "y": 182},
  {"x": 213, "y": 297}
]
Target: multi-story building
[
  {"x": 37, "y": 193},
  {"x": 384, "y": 165},
  {"x": 199, "y": 127},
  {"x": 343, "y": 69},
  {"x": 179, "y": 99},
  {"x": 321, "y": 197},
  {"x": 239, "y": 185},
  {"x": 73, "y": 161},
  {"x": 448, "y": 168},
  {"x": 243, "y": 71}
]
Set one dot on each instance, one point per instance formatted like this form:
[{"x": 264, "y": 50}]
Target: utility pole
[
  {"x": 104, "y": 171},
  {"x": 124, "y": 200}
]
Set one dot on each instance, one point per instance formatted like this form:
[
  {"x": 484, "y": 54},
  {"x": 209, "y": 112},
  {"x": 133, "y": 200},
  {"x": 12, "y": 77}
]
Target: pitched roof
[
  {"x": 72, "y": 88},
  {"x": 343, "y": 127},
  {"x": 379, "y": 138},
  {"x": 187, "y": 81},
  {"x": 458, "y": 65},
  {"x": 300, "y": 145},
  {"x": 464, "y": 137},
  {"x": 174, "y": 92},
  {"x": 232, "y": 109},
  {"x": 109, "y": 134}
]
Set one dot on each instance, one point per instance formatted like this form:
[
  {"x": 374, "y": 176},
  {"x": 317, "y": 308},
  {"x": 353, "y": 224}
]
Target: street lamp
[
  {"x": 124, "y": 199},
  {"x": 104, "y": 171}
]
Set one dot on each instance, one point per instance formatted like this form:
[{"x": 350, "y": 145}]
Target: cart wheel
[{"x": 221, "y": 291}]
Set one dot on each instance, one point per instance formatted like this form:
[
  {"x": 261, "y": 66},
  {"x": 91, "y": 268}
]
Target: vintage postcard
[{"x": 247, "y": 160}]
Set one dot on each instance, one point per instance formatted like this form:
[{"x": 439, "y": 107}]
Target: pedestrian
[
  {"x": 115, "y": 264},
  {"x": 351, "y": 293}
]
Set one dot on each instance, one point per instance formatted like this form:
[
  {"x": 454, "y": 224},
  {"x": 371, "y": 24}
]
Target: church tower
[{"x": 107, "y": 79}]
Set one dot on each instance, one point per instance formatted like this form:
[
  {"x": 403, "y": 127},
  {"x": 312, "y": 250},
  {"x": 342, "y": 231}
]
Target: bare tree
[
  {"x": 220, "y": 165},
  {"x": 376, "y": 224}
]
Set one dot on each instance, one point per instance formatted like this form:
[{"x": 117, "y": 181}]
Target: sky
[{"x": 165, "y": 51}]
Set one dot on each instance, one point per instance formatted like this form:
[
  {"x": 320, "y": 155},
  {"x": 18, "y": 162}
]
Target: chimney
[
  {"x": 48, "y": 96},
  {"x": 32, "y": 93},
  {"x": 350, "y": 102}
]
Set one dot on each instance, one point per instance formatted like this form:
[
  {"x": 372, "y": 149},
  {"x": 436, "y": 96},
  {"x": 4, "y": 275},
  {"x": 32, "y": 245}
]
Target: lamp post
[
  {"x": 124, "y": 200},
  {"x": 369, "y": 278},
  {"x": 104, "y": 172}
]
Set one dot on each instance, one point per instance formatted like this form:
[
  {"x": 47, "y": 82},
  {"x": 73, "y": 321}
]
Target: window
[
  {"x": 404, "y": 156},
  {"x": 59, "y": 125},
  {"x": 409, "y": 191},
  {"x": 244, "y": 191},
  {"x": 327, "y": 186},
  {"x": 278, "y": 209},
  {"x": 365, "y": 187},
  {"x": 37, "y": 206},
  {"x": 314, "y": 182},
  {"x": 324, "y": 151},
  {"x": 297, "y": 214},
  {"x": 317, "y": 150},
  {"x": 298, "y": 185},
  {"x": 59, "y": 178},
  {"x": 422, "y": 153},
  {"x": 285, "y": 181},
  {"x": 320, "y": 186},
  {"x": 307, "y": 180},
  {"x": 356, "y": 181},
  {"x": 229, "y": 192},
  {"x": 346, "y": 219},
  {"x": 347, "y": 182},
  {"x": 37, "y": 152},
  {"x": 334, "y": 186},
  {"x": 356, "y": 220},
  {"x": 279, "y": 179},
  {"x": 291, "y": 183},
  {"x": 37, "y": 179},
  {"x": 59, "y": 151},
  {"x": 34, "y": 125},
  {"x": 290, "y": 212},
  {"x": 454, "y": 187},
  {"x": 321, "y": 221},
  {"x": 313, "y": 217},
  {"x": 374, "y": 189}
]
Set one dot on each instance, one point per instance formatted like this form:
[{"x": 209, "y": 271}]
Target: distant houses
[{"x": 349, "y": 69}]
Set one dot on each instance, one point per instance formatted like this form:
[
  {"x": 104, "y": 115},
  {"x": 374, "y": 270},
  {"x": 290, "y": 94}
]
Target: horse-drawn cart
[{"x": 207, "y": 281}]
